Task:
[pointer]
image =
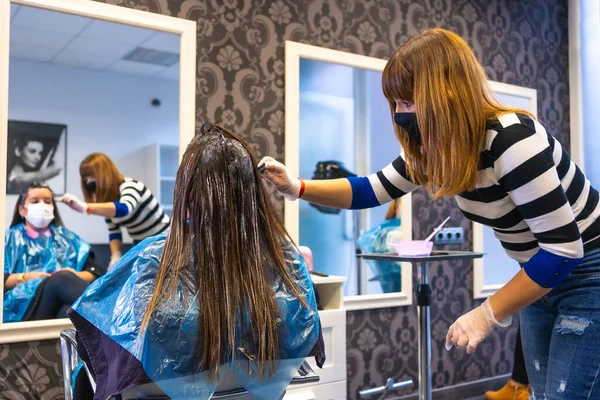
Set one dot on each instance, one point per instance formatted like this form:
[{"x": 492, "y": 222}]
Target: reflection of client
[
  {"x": 224, "y": 284},
  {"x": 124, "y": 202},
  {"x": 380, "y": 239},
  {"x": 46, "y": 266},
  {"x": 27, "y": 169}
]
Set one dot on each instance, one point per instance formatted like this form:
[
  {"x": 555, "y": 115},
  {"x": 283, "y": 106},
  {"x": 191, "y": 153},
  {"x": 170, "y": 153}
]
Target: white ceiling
[{"x": 49, "y": 36}]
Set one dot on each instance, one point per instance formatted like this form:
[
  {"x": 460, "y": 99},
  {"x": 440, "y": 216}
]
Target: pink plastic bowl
[{"x": 413, "y": 247}]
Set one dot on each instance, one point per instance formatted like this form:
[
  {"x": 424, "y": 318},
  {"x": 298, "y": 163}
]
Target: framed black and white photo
[{"x": 37, "y": 152}]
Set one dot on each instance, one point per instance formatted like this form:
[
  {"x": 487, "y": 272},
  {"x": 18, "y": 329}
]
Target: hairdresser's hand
[
  {"x": 114, "y": 257},
  {"x": 285, "y": 183},
  {"x": 470, "y": 329},
  {"x": 73, "y": 202}
]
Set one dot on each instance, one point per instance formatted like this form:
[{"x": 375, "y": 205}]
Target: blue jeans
[{"x": 561, "y": 337}]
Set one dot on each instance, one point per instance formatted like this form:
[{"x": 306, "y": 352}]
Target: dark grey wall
[{"x": 240, "y": 82}]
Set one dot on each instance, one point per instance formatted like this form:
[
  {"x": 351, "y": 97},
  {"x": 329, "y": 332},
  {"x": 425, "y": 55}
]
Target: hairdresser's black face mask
[
  {"x": 91, "y": 186},
  {"x": 408, "y": 121}
]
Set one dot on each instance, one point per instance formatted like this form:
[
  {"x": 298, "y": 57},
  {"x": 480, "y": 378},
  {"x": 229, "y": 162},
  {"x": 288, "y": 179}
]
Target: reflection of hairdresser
[
  {"x": 46, "y": 266},
  {"x": 380, "y": 239},
  {"x": 29, "y": 166},
  {"x": 124, "y": 202},
  {"x": 224, "y": 283},
  {"x": 507, "y": 172}
]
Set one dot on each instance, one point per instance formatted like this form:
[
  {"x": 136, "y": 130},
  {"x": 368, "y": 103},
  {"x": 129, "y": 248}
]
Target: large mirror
[
  {"x": 337, "y": 124},
  {"x": 96, "y": 95},
  {"x": 486, "y": 281},
  {"x": 337, "y": 117}
]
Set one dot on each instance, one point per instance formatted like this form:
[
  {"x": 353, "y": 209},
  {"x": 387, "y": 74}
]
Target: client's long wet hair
[{"x": 234, "y": 238}]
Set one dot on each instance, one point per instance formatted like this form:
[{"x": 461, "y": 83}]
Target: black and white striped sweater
[{"x": 539, "y": 203}]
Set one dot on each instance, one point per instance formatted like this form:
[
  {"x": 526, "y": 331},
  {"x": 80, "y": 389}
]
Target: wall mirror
[
  {"x": 79, "y": 77},
  {"x": 335, "y": 111},
  {"x": 486, "y": 281}
]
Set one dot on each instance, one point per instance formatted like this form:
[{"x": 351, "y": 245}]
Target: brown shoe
[{"x": 510, "y": 391}]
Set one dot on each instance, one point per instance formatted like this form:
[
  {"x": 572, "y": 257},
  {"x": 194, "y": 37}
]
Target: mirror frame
[
  {"x": 50, "y": 329},
  {"x": 575, "y": 85},
  {"x": 293, "y": 52},
  {"x": 480, "y": 289}
]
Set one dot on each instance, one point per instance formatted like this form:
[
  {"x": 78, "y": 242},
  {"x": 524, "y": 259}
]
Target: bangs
[
  {"x": 397, "y": 81},
  {"x": 86, "y": 170}
]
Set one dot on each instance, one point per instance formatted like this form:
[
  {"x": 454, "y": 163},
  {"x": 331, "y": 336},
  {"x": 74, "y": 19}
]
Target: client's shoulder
[{"x": 18, "y": 228}]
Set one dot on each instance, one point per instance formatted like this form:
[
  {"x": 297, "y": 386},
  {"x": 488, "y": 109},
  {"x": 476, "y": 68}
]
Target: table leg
[{"x": 423, "y": 299}]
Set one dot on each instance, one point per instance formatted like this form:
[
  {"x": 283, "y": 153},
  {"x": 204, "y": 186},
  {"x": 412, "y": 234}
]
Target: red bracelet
[
  {"x": 88, "y": 210},
  {"x": 302, "y": 187}
]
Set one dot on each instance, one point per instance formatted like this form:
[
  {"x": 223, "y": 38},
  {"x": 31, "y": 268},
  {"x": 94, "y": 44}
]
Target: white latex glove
[
  {"x": 73, "y": 202},
  {"x": 470, "y": 329},
  {"x": 285, "y": 183},
  {"x": 114, "y": 257}
]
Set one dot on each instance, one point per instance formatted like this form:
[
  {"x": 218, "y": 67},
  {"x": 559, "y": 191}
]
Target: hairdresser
[
  {"x": 506, "y": 172},
  {"x": 123, "y": 202}
]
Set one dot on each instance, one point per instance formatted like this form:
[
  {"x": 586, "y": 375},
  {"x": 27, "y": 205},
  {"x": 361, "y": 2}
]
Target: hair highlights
[
  {"x": 226, "y": 236},
  {"x": 440, "y": 74}
]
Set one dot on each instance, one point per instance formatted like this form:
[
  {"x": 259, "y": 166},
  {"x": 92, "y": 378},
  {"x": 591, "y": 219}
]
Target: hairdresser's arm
[
  {"x": 126, "y": 205},
  {"x": 332, "y": 193},
  {"x": 115, "y": 239},
  {"x": 116, "y": 246},
  {"x": 109, "y": 210},
  {"x": 356, "y": 192},
  {"x": 106, "y": 210},
  {"x": 517, "y": 294}
]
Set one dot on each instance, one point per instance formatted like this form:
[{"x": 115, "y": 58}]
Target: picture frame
[{"x": 36, "y": 152}]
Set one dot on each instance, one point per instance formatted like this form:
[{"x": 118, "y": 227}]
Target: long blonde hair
[
  {"x": 108, "y": 178},
  {"x": 438, "y": 72}
]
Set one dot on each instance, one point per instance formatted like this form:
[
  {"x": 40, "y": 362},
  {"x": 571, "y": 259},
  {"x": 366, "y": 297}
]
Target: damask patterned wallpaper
[
  {"x": 240, "y": 81},
  {"x": 31, "y": 371}
]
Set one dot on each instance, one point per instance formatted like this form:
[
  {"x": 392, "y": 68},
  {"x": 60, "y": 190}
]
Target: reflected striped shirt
[{"x": 145, "y": 217}]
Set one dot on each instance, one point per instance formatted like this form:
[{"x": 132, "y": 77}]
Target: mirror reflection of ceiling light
[{"x": 152, "y": 56}]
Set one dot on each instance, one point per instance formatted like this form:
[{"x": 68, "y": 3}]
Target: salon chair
[{"x": 227, "y": 390}]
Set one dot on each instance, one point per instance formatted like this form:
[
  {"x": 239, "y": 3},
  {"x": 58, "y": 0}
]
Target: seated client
[
  {"x": 222, "y": 295},
  {"x": 46, "y": 266}
]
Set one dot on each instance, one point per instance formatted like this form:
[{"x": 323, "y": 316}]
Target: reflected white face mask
[{"x": 39, "y": 214}]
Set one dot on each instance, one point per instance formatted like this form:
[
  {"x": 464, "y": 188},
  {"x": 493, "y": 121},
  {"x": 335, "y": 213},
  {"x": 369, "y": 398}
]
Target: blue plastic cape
[
  {"x": 116, "y": 303},
  {"x": 22, "y": 254},
  {"x": 380, "y": 240}
]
